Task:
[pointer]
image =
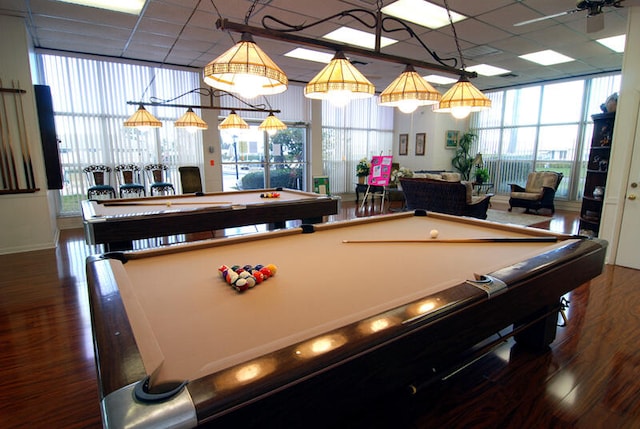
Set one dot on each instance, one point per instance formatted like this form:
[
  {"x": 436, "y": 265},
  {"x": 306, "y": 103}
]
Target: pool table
[
  {"x": 117, "y": 222},
  {"x": 356, "y": 308}
]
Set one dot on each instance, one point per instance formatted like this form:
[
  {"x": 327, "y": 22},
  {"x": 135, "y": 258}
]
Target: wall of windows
[
  {"x": 90, "y": 105},
  {"x": 543, "y": 127},
  {"x": 359, "y": 130}
]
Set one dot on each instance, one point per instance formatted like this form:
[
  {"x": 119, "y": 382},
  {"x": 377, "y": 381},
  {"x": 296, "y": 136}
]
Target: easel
[{"x": 379, "y": 176}]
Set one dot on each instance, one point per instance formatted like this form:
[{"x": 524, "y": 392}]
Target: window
[
  {"x": 90, "y": 105},
  {"x": 542, "y": 127}
]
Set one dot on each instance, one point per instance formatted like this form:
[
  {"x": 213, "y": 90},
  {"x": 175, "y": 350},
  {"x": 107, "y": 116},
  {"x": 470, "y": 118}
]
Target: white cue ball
[
  {"x": 168, "y": 203},
  {"x": 434, "y": 233}
]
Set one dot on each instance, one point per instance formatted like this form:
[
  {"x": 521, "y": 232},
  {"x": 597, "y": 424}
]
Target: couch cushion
[
  {"x": 537, "y": 179},
  {"x": 469, "y": 188},
  {"x": 433, "y": 176},
  {"x": 531, "y": 196},
  {"x": 451, "y": 177}
]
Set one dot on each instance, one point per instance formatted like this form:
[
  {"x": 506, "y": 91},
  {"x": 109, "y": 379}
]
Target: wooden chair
[
  {"x": 129, "y": 180},
  {"x": 538, "y": 193},
  {"x": 190, "y": 180},
  {"x": 157, "y": 181},
  {"x": 99, "y": 179}
]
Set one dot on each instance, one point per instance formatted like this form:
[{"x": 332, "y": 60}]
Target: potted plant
[
  {"x": 463, "y": 160},
  {"x": 482, "y": 175},
  {"x": 362, "y": 169}
]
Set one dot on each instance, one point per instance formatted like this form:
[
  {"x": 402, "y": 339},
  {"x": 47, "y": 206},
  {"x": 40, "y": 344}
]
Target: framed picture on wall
[
  {"x": 451, "y": 139},
  {"x": 420, "y": 143},
  {"x": 403, "y": 147}
]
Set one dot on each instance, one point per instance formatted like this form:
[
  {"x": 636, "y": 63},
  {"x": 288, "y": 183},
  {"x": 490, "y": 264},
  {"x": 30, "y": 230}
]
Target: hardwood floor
[{"x": 589, "y": 378}]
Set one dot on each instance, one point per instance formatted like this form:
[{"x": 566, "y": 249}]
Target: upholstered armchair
[
  {"x": 98, "y": 177},
  {"x": 129, "y": 180},
  {"x": 538, "y": 193},
  {"x": 157, "y": 181}
]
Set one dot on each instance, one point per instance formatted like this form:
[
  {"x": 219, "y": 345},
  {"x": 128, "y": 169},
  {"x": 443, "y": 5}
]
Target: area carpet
[{"x": 502, "y": 216}]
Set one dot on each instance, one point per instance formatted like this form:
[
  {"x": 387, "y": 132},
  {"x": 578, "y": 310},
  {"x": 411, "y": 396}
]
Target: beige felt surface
[{"x": 201, "y": 325}]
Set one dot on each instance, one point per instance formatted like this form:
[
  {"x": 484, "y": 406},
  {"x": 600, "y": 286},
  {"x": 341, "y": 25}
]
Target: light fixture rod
[
  {"x": 225, "y": 24},
  {"x": 187, "y": 106}
]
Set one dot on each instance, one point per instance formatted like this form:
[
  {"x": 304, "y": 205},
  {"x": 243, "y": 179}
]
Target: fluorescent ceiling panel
[
  {"x": 355, "y": 37},
  {"x": 615, "y": 43},
  {"x": 487, "y": 70},
  {"x": 441, "y": 80},
  {"x": 547, "y": 57},
  {"x": 310, "y": 55},
  {"x": 126, "y": 6},
  {"x": 422, "y": 13}
]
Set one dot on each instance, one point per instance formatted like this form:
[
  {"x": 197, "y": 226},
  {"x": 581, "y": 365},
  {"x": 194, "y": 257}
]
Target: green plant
[
  {"x": 363, "y": 168},
  {"x": 482, "y": 174},
  {"x": 463, "y": 160}
]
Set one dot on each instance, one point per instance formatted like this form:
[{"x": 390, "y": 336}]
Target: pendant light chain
[{"x": 455, "y": 35}]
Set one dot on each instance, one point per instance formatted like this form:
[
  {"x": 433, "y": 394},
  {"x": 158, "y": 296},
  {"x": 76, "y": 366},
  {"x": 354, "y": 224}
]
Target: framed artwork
[
  {"x": 451, "y": 139},
  {"x": 403, "y": 148},
  {"x": 420, "y": 143}
]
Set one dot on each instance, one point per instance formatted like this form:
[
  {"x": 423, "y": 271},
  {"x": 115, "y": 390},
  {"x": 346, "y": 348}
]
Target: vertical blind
[
  {"x": 359, "y": 130},
  {"x": 541, "y": 127},
  {"x": 90, "y": 105}
]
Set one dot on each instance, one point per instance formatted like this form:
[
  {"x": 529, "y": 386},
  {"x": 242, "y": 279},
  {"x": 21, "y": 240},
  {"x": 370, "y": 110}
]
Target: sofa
[
  {"x": 444, "y": 194},
  {"x": 538, "y": 193}
]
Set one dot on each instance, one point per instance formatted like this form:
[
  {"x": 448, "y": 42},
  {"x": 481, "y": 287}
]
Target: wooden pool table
[
  {"x": 337, "y": 317},
  {"x": 123, "y": 220}
]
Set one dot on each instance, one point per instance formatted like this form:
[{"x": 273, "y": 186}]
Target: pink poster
[{"x": 380, "y": 172}]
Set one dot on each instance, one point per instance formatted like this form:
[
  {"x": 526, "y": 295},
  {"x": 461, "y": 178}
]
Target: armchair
[{"x": 538, "y": 193}]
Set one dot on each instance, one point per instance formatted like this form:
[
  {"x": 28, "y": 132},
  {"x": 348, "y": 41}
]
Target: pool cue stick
[
  {"x": 24, "y": 143},
  {"x": 12, "y": 168},
  {"x": 4, "y": 159},
  {"x": 166, "y": 203},
  {"x": 465, "y": 240}
]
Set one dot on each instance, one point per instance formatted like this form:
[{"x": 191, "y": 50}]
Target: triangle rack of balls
[{"x": 246, "y": 277}]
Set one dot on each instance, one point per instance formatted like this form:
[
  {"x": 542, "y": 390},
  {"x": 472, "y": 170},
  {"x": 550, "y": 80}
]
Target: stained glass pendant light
[
  {"x": 339, "y": 82},
  {"x": 408, "y": 91},
  {"x": 272, "y": 124},
  {"x": 246, "y": 70},
  {"x": 462, "y": 99},
  {"x": 233, "y": 122},
  {"x": 142, "y": 120},
  {"x": 191, "y": 122}
]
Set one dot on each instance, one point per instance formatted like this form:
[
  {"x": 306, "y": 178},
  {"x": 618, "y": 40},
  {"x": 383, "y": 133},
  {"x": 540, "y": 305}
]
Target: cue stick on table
[
  {"x": 166, "y": 203},
  {"x": 466, "y": 240},
  {"x": 11, "y": 169}
]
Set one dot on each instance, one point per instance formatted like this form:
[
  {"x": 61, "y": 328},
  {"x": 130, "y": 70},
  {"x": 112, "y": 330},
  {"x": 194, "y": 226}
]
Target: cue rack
[{"x": 16, "y": 168}]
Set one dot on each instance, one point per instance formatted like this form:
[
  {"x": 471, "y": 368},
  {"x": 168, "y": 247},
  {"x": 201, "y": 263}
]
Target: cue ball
[
  {"x": 168, "y": 203},
  {"x": 434, "y": 233}
]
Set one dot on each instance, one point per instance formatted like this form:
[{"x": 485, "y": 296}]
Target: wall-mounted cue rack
[{"x": 16, "y": 168}]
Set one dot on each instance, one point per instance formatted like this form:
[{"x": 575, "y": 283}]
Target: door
[{"x": 627, "y": 252}]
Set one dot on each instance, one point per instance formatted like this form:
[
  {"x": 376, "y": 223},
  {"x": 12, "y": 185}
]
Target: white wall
[
  {"x": 27, "y": 219},
  {"x": 435, "y": 125}
]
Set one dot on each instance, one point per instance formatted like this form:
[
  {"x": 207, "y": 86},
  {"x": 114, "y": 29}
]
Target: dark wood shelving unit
[{"x": 597, "y": 169}]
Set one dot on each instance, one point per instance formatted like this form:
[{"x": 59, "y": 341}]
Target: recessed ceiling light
[
  {"x": 126, "y": 6},
  {"x": 547, "y": 58},
  {"x": 422, "y": 13},
  {"x": 615, "y": 43},
  {"x": 358, "y": 38},
  {"x": 487, "y": 70},
  {"x": 310, "y": 55},
  {"x": 441, "y": 80}
]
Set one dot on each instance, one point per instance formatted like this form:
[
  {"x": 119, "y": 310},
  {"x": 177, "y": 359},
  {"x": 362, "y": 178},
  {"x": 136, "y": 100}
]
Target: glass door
[{"x": 251, "y": 158}]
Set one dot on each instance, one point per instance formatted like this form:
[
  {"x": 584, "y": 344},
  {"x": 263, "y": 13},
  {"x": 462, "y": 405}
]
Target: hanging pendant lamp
[
  {"x": 462, "y": 99},
  {"x": 233, "y": 122},
  {"x": 408, "y": 91},
  {"x": 339, "y": 82},
  {"x": 191, "y": 122},
  {"x": 272, "y": 124},
  {"x": 142, "y": 120},
  {"x": 246, "y": 70}
]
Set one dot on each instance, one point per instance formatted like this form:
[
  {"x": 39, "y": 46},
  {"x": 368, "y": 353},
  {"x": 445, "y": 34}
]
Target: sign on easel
[{"x": 380, "y": 172}]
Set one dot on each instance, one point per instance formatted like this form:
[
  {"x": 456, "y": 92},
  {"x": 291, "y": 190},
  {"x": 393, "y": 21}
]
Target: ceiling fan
[{"x": 595, "y": 16}]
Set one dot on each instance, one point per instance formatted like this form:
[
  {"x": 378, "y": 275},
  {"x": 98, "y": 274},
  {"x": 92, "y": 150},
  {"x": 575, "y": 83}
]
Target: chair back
[
  {"x": 156, "y": 172},
  {"x": 190, "y": 179},
  {"x": 536, "y": 180},
  {"x": 98, "y": 175},
  {"x": 128, "y": 174}
]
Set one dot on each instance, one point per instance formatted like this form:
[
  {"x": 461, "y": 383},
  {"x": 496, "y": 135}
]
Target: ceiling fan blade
[{"x": 542, "y": 18}]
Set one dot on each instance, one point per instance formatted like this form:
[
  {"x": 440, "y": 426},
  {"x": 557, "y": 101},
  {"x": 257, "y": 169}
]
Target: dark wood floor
[{"x": 590, "y": 377}]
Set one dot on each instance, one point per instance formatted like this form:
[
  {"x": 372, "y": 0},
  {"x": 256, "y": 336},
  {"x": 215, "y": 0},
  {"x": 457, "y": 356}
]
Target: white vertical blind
[{"x": 90, "y": 105}]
